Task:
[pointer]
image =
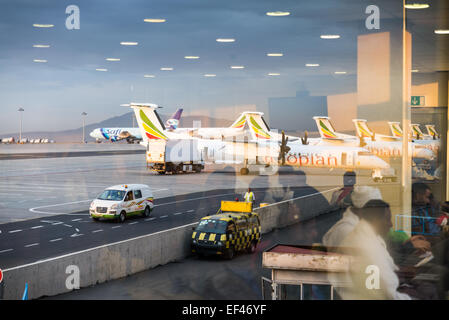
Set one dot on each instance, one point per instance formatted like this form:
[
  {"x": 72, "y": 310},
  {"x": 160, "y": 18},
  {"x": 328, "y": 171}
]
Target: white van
[{"x": 121, "y": 201}]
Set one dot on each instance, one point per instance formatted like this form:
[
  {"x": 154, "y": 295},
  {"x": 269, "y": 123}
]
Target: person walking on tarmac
[{"x": 249, "y": 196}]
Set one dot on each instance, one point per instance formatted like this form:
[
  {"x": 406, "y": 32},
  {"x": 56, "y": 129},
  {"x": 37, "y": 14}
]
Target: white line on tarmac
[
  {"x": 7, "y": 250},
  {"x": 37, "y": 227},
  {"x": 54, "y": 240},
  {"x": 67, "y": 225},
  {"x": 115, "y": 227},
  {"x": 77, "y": 219},
  {"x": 161, "y": 217},
  {"x": 177, "y": 213},
  {"x": 14, "y": 231},
  {"x": 149, "y": 219},
  {"x": 76, "y": 235},
  {"x": 56, "y": 223},
  {"x": 99, "y": 230},
  {"x": 190, "y": 210},
  {"x": 133, "y": 222},
  {"x": 32, "y": 245}
]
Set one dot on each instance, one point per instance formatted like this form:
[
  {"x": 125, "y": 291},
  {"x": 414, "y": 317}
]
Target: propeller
[
  {"x": 305, "y": 139},
  {"x": 283, "y": 149},
  {"x": 362, "y": 142}
]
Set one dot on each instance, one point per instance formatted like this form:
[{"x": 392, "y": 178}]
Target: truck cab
[{"x": 233, "y": 229}]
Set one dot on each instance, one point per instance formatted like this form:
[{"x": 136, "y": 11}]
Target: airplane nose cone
[{"x": 94, "y": 133}]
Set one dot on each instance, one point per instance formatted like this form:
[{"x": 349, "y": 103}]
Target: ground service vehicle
[
  {"x": 122, "y": 201},
  {"x": 234, "y": 228},
  {"x": 174, "y": 156}
]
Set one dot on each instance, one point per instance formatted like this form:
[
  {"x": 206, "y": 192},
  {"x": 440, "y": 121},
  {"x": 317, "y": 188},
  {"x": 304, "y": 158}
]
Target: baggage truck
[{"x": 174, "y": 156}]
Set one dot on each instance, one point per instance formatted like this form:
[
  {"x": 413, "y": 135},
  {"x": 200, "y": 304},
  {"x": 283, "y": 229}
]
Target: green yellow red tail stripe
[
  {"x": 150, "y": 130},
  {"x": 326, "y": 132},
  {"x": 258, "y": 131}
]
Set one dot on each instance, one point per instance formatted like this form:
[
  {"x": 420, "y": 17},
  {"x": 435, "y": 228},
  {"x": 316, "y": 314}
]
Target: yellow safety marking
[
  {"x": 212, "y": 237},
  {"x": 194, "y": 235},
  {"x": 223, "y": 237},
  {"x": 202, "y": 235}
]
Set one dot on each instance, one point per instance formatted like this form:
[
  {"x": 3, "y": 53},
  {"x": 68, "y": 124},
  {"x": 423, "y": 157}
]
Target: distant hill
[{"x": 125, "y": 120}]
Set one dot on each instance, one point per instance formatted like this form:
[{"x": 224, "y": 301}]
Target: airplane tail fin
[
  {"x": 362, "y": 128},
  {"x": 416, "y": 131},
  {"x": 150, "y": 124},
  {"x": 257, "y": 125},
  {"x": 325, "y": 128},
  {"x": 395, "y": 128},
  {"x": 173, "y": 122},
  {"x": 240, "y": 122},
  {"x": 431, "y": 130}
]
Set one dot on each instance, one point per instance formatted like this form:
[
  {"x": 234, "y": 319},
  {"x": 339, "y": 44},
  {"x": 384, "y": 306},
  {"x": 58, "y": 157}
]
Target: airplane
[
  {"x": 385, "y": 146},
  {"x": 430, "y": 141},
  {"x": 131, "y": 134},
  {"x": 261, "y": 150}
]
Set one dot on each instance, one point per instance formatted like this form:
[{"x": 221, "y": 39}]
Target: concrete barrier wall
[{"x": 120, "y": 259}]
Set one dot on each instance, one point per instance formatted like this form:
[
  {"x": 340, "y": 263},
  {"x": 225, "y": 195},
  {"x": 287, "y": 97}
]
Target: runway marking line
[
  {"x": 150, "y": 219},
  {"x": 177, "y": 213},
  {"x": 32, "y": 245},
  {"x": 133, "y": 222},
  {"x": 99, "y": 230},
  {"x": 78, "y": 219},
  {"x": 37, "y": 227},
  {"x": 115, "y": 227},
  {"x": 14, "y": 231},
  {"x": 161, "y": 217},
  {"x": 6, "y": 250},
  {"x": 54, "y": 240}
]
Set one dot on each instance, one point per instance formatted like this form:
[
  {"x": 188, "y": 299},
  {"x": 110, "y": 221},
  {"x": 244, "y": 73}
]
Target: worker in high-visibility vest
[{"x": 249, "y": 196}]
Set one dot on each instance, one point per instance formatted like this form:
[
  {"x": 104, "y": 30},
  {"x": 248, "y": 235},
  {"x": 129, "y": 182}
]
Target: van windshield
[
  {"x": 213, "y": 226},
  {"x": 113, "y": 195}
]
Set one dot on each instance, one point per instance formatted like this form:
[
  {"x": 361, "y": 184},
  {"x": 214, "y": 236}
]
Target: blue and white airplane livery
[{"x": 131, "y": 134}]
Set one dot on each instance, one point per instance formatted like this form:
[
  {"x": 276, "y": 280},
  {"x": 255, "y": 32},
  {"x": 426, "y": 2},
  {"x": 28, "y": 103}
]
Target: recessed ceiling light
[
  {"x": 442, "y": 31},
  {"x": 278, "y": 13},
  {"x": 312, "y": 65},
  {"x": 275, "y": 54},
  {"x": 112, "y": 59},
  {"x": 274, "y": 74},
  {"x": 41, "y": 46},
  {"x": 237, "y": 67},
  {"x": 148, "y": 76},
  {"x": 38, "y": 25},
  {"x": 417, "y": 6},
  {"x": 129, "y": 43},
  {"x": 101, "y": 69},
  {"x": 166, "y": 69},
  {"x": 191, "y": 57},
  {"x": 40, "y": 60},
  {"x": 340, "y": 72},
  {"x": 210, "y": 75},
  {"x": 154, "y": 20},
  {"x": 330, "y": 36},
  {"x": 415, "y": 70},
  {"x": 225, "y": 40}
]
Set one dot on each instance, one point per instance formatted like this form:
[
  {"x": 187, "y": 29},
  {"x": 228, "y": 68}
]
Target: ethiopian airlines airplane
[
  {"x": 430, "y": 140},
  {"x": 380, "y": 145},
  {"x": 261, "y": 150}
]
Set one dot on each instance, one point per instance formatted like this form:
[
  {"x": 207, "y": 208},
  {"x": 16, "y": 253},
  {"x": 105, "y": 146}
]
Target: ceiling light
[
  {"x": 225, "y": 40},
  {"x": 112, "y": 59},
  {"x": 148, "y": 76},
  {"x": 312, "y": 65},
  {"x": 274, "y": 74},
  {"x": 340, "y": 72},
  {"x": 38, "y": 25},
  {"x": 275, "y": 54},
  {"x": 442, "y": 31},
  {"x": 417, "y": 6},
  {"x": 40, "y": 60},
  {"x": 191, "y": 57},
  {"x": 210, "y": 75},
  {"x": 154, "y": 20},
  {"x": 415, "y": 70},
  {"x": 330, "y": 36},
  {"x": 237, "y": 67},
  {"x": 41, "y": 46},
  {"x": 129, "y": 43},
  {"x": 101, "y": 69},
  {"x": 278, "y": 13},
  {"x": 166, "y": 69}
]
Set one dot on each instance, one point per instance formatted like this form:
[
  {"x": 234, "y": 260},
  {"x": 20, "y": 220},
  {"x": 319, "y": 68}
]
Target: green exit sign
[{"x": 418, "y": 101}]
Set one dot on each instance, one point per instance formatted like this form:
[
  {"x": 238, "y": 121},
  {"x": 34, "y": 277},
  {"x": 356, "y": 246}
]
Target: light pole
[
  {"x": 84, "y": 114},
  {"x": 20, "y": 131}
]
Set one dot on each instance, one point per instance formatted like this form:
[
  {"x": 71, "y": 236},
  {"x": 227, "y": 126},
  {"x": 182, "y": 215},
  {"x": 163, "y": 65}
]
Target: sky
[{"x": 55, "y": 93}]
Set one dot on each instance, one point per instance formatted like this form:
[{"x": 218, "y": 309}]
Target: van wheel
[
  {"x": 146, "y": 212},
  {"x": 229, "y": 254},
  {"x": 95, "y": 219},
  {"x": 252, "y": 247},
  {"x": 122, "y": 217}
]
